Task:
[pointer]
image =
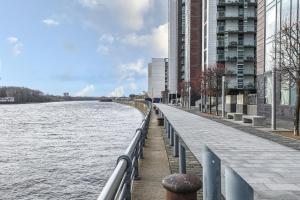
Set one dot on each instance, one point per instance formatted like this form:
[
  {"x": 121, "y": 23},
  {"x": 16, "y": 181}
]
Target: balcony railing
[{"x": 220, "y": 57}]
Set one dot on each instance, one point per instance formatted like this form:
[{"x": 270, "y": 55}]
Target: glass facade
[{"x": 278, "y": 13}]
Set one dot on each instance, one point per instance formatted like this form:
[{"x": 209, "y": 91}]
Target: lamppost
[
  {"x": 190, "y": 95},
  {"x": 273, "y": 119},
  {"x": 223, "y": 96}
]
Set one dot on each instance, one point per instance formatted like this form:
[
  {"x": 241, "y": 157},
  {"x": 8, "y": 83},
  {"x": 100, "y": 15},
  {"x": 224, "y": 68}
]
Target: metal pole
[
  {"x": 211, "y": 175},
  {"x": 168, "y": 129},
  {"x": 176, "y": 145},
  {"x": 273, "y": 120},
  {"x": 223, "y": 96},
  {"x": 182, "y": 159},
  {"x": 190, "y": 95},
  {"x": 236, "y": 188},
  {"x": 171, "y": 136}
]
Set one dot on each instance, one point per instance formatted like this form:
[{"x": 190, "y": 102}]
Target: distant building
[
  {"x": 66, "y": 94},
  {"x": 157, "y": 77},
  {"x": 7, "y": 99}
]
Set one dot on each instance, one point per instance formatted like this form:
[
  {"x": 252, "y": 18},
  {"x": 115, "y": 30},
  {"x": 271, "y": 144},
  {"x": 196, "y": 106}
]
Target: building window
[
  {"x": 294, "y": 16},
  {"x": 268, "y": 89},
  {"x": 285, "y": 93},
  {"x": 269, "y": 56},
  {"x": 293, "y": 96},
  {"x": 269, "y": 1},
  {"x": 286, "y": 11},
  {"x": 271, "y": 22}
]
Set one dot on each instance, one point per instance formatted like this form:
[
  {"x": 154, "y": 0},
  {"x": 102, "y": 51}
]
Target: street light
[{"x": 190, "y": 95}]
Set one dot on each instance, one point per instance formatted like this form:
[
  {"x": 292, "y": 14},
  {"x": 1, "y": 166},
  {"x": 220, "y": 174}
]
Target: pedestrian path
[
  {"x": 257, "y": 131},
  {"x": 272, "y": 170},
  {"x": 154, "y": 167}
]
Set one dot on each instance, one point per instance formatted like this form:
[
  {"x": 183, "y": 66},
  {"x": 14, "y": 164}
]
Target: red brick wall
[{"x": 196, "y": 48}]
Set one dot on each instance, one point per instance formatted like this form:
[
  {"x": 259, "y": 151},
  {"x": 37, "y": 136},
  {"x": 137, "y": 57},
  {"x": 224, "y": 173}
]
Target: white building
[
  {"x": 173, "y": 51},
  {"x": 157, "y": 77}
]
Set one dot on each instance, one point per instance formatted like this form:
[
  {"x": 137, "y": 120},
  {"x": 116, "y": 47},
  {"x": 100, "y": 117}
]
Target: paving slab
[{"x": 268, "y": 167}]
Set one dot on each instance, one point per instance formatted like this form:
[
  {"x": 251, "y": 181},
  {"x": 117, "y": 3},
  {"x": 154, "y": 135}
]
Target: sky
[{"x": 84, "y": 47}]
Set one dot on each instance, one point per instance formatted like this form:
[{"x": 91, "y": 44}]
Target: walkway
[
  {"x": 273, "y": 170},
  {"x": 257, "y": 131},
  {"x": 154, "y": 167}
]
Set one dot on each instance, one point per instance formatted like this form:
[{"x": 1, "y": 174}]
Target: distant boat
[{"x": 106, "y": 100}]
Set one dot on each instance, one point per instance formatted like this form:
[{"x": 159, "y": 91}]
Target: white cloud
[
  {"x": 129, "y": 12},
  {"x": 102, "y": 49},
  {"x": 157, "y": 40},
  {"x": 12, "y": 40},
  {"x": 129, "y": 71},
  {"x": 136, "y": 40},
  {"x": 132, "y": 86},
  {"x": 107, "y": 38},
  {"x": 87, "y": 90},
  {"x": 16, "y": 45},
  {"x": 92, "y": 4},
  {"x": 117, "y": 92},
  {"x": 50, "y": 22}
]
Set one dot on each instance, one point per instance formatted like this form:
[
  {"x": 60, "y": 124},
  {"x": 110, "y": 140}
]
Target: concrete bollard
[
  {"x": 160, "y": 121},
  {"x": 182, "y": 186}
]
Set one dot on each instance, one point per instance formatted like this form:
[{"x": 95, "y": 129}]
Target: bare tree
[
  {"x": 286, "y": 57},
  {"x": 211, "y": 83}
]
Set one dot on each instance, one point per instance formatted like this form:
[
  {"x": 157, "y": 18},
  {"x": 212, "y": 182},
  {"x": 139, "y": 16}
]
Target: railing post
[
  {"x": 176, "y": 145},
  {"x": 182, "y": 159},
  {"x": 168, "y": 129},
  {"x": 211, "y": 175},
  {"x": 236, "y": 187},
  {"x": 171, "y": 136}
]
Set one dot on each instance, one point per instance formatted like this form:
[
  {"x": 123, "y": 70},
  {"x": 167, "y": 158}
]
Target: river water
[{"x": 63, "y": 150}]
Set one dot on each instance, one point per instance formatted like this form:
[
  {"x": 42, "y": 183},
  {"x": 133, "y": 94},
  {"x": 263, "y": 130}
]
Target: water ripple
[{"x": 63, "y": 150}]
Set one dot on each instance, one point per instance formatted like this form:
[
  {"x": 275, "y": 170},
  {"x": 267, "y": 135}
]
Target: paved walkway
[
  {"x": 257, "y": 131},
  {"x": 154, "y": 167},
  {"x": 273, "y": 170}
]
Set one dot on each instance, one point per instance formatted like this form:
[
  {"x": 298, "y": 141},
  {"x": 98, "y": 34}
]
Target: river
[{"x": 64, "y": 150}]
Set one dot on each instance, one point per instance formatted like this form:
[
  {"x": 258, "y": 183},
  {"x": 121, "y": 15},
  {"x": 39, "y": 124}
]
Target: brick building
[{"x": 185, "y": 22}]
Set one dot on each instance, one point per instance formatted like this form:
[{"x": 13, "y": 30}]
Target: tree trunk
[
  {"x": 217, "y": 97},
  {"x": 297, "y": 109}
]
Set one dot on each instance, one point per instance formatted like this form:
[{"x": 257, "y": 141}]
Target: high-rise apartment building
[
  {"x": 157, "y": 78},
  {"x": 272, "y": 15},
  {"x": 229, "y": 40},
  {"x": 185, "y": 47}
]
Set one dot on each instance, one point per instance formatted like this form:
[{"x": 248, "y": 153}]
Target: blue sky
[{"x": 85, "y": 47}]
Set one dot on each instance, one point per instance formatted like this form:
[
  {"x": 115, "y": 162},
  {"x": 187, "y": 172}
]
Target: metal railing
[{"x": 119, "y": 185}]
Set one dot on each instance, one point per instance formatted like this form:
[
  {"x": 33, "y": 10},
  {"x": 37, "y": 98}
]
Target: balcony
[
  {"x": 238, "y": 29},
  {"x": 220, "y": 57},
  {"x": 231, "y": 44},
  {"x": 220, "y": 43},
  {"x": 249, "y": 59},
  {"x": 230, "y": 73},
  {"x": 231, "y": 58},
  {"x": 227, "y": 15},
  {"x": 250, "y": 29},
  {"x": 221, "y": 29},
  {"x": 230, "y": 2}
]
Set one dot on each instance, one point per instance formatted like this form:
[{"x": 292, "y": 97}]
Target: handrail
[{"x": 119, "y": 184}]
